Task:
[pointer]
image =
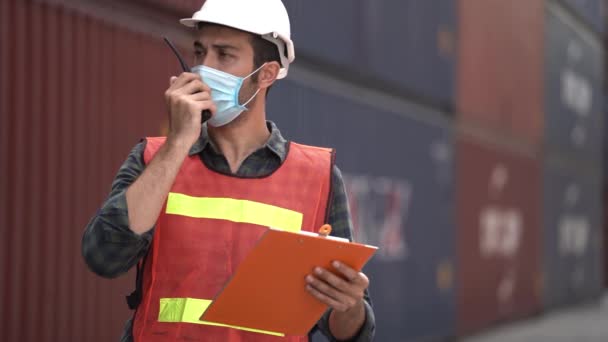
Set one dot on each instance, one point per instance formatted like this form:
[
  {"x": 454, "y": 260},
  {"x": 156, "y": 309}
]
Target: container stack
[
  {"x": 572, "y": 161},
  {"x": 375, "y": 80},
  {"x": 77, "y": 92},
  {"x": 498, "y": 139},
  {"x": 469, "y": 133}
]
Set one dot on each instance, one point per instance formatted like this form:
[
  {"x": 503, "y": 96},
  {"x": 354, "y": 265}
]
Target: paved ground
[{"x": 588, "y": 323}]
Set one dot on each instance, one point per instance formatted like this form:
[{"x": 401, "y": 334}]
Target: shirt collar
[{"x": 275, "y": 143}]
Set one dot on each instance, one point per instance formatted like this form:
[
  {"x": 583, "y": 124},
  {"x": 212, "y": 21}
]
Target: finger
[
  {"x": 212, "y": 108},
  {"x": 199, "y": 83},
  {"x": 192, "y": 87},
  {"x": 206, "y": 87},
  {"x": 335, "y": 281},
  {"x": 349, "y": 273},
  {"x": 202, "y": 96},
  {"x": 183, "y": 79},
  {"x": 172, "y": 80},
  {"x": 334, "y": 304},
  {"x": 328, "y": 290},
  {"x": 202, "y": 105}
]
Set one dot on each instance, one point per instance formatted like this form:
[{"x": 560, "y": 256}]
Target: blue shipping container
[
  {"x": 398, "y": 174},
  {"x": 408, "y": 45},
  {"x": 572, "y": 234},
  {"x": 573, "y": 87},
  {"x": 593, "y": 12}
]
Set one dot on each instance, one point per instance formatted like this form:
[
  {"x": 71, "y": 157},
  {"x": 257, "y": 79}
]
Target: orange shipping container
[
  {"x": 500, "y": 73},
  {"x": 184, "y": 8},
  {"x": 76, "y": 94}
]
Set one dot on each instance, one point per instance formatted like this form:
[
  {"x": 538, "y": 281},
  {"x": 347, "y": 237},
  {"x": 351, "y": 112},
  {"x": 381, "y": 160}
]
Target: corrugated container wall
[
  {"x": 572, "y": 186},
  {"x": 77, "y": 94},
  {"x": 604, "y": 178},
  {"x": 460, "y": 237},
  {"x": 498, "y": 233},
  {"x": 405, "y": 47},
  {"x": 572, "y": 233},
  {"x": 500, "y": 51},
  {"x": 185, "y": 8},
  {"x": 574, "y": 98},
  {"x": 398, "y": 169}
]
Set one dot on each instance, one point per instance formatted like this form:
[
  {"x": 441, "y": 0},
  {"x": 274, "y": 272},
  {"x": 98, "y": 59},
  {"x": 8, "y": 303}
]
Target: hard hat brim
[{"x": 190, "y": 22}]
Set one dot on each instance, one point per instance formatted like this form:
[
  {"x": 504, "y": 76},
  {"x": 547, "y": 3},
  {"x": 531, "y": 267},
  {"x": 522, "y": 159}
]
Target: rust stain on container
[
  {"x": 75, "y": 95},
  {"x": 498, "y": 235},
  {"x": 500, "y": 74}
]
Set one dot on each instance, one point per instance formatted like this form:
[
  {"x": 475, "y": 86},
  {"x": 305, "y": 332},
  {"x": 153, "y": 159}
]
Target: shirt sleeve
[
  {"x": 341, "y": 223},
  {"x": 109, "y": 247}
]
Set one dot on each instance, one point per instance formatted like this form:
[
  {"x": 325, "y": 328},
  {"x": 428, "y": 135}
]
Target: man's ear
[{"x": 268, "y": 74}]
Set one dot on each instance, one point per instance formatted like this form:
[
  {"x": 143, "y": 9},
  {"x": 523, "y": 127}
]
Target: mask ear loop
[
  {"x": 256, "y": 93},
  {"x": 251, "y": 99},
  {"x": 254, "y": 71}
]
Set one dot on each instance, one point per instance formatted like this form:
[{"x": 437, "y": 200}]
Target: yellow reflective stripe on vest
[
  {"x": 234, "y": 210},
  {"x": 190, "y": 310}
]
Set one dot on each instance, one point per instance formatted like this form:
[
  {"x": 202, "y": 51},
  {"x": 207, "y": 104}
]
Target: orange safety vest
[{"x": 209, "y": 223}]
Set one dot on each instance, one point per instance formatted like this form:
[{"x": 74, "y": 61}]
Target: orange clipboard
[{"x": 268, "y": 290}]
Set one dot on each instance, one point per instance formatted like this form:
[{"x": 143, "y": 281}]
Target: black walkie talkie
[{"x": 206, "y": 113}]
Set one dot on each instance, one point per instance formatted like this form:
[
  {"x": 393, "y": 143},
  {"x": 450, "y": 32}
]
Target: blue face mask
[{"x": 225, "y": 90}]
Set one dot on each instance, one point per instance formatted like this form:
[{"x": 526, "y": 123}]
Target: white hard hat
[{"x": 267, "y": 18}]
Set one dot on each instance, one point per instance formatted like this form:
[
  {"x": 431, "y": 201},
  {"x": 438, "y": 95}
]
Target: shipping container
[
  {"x": 499, "y": 78},
  {"x": 4, "y": 152},
  {"x": 573, "y": 237},
  {"x": 604, "y": 135},
  {"x": 185, "y": 8},
  {"x": 403, "y": 46},
  {"x": 573, "y": 87},
  {"x": 604, "y": 184},
  {"x": 498, "y": 233},
  {"x": 77, "y": 94},
  {"x": 605, "y": 232},
  {"x": 413, "y": 44},
  {"x": 398, "y": 173},
  {"x": 591, "y": 12}
]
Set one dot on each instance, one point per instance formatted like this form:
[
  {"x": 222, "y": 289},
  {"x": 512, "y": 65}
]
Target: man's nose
[{"x": 210, "y": 61}]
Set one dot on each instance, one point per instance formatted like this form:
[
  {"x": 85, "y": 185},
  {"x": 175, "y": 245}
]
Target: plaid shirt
[{"x": 110, "y": 248}]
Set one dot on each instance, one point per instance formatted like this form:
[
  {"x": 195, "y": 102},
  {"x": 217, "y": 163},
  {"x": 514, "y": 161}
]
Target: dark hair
[{"x": 263, "y": 51}]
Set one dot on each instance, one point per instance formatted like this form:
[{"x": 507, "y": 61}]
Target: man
[{"x": 183, "y": 207}]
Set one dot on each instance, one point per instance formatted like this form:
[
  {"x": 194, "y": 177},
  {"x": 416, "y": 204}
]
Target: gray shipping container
[
  {"x": 573, "y": 237},
  {"x": 398, "y": 173},
  {"x": 592, "y": 12},
  {"x": 573, "y": 87},
  {"x": 405, "y": 46}
]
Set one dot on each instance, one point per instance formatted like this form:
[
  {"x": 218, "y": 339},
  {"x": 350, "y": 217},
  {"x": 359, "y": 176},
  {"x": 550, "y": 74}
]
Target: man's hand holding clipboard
[
  {"x": 270, "y": 289},
  {"x": 342, "y": 290}
]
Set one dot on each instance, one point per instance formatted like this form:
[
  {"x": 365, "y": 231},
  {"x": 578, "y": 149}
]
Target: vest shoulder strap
[
  {"x": 313, "y": 149},
  {"x": 325, "y": 159}
]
